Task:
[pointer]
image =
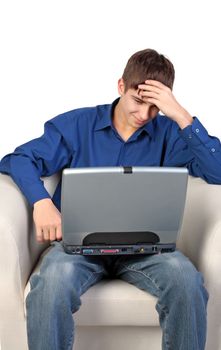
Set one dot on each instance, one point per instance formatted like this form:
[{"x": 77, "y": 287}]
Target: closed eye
[{"x": 138, "y": 101}]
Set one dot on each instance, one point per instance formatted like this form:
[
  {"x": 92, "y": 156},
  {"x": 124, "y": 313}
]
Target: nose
[{"x": 145, "y": 112}]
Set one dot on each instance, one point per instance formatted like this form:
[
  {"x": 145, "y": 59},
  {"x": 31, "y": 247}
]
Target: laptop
[{"x": 122, "y": 210}]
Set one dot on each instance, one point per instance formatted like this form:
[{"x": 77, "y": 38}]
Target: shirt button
[
  {"x": 213, "y": 149},
  {"x": 190, "y": 136},
  {"x": 197, "y": 130}
]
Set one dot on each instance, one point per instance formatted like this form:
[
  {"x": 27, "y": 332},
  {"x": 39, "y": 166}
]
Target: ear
[{"x": 121, "y": 86}]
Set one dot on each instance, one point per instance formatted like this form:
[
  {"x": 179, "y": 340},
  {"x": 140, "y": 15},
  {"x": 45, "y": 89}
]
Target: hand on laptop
[
  {"x": 47, "y": 219},
  {"x": 160, "y": 95}
]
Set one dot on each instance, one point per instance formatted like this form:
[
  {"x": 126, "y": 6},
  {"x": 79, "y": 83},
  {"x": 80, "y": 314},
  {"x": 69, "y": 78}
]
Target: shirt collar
[
  {"x": 105, "y": 120},
  {"x": 148, "y": 128},
  {"x": 105, "y": 114}
]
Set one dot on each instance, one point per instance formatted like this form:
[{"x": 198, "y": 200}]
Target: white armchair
[{"x": 114, "y": 314}]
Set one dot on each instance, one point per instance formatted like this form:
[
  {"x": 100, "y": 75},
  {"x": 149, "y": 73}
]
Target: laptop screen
[{"x": 118, "y": 199}]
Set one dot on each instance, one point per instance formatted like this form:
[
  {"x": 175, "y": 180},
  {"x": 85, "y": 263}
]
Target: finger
[
  {"x": 52, "y": 233},
  {"x": 39, "y": 234},
  {"x": 156, "y": 83},
  {"x": 151, "y": 98},
  {"x": 153, "y": 101},
  {"x": 58, "y": 233},
  {"x": 46, "y": 233},
  {"x": 145, "y": 88},
  {"x": 149, "y": 94}
]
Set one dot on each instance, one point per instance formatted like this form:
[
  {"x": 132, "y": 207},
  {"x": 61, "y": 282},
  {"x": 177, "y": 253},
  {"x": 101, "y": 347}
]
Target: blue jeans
[{"x": 55, "y": 295}]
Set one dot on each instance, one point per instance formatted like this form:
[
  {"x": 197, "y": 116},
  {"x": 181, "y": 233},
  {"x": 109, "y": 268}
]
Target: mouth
[{"x": 139, "y": 121}]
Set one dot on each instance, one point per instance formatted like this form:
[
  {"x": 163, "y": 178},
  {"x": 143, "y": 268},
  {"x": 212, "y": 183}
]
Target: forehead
[{"x": 134, "y": 93}]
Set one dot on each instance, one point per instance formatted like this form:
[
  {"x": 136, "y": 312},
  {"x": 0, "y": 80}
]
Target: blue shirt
[{"x": 86, "y": 137}]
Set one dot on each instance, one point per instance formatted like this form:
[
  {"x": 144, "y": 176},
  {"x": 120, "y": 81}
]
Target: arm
[
  {"x": 40, "y": 157},
  {"x": 188, "y": 142}
]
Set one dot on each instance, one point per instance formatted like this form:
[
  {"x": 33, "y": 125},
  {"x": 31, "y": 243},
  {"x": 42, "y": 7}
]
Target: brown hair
[{"x": 148, "y": 64}]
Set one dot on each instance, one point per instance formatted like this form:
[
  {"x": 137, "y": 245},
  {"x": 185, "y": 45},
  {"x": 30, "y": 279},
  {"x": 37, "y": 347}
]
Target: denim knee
[
  {"x": 55, "y": 284},
  {"x": 184, "y": 281}
]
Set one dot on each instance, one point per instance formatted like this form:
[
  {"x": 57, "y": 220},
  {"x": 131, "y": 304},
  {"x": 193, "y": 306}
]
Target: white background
[{"x": 59, "y": 55}]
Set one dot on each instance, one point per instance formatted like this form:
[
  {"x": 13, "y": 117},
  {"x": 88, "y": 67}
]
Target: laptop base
[
  {"x": 120, "y": 238},
  {"x": 139, "y": 249}
]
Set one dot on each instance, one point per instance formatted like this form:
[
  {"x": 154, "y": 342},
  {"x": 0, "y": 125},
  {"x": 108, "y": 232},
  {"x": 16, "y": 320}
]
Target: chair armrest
[
  {"x": 200, "y": 237},
  {"x": 200, "y": 240},
  {"x": 19, "y": 250}
]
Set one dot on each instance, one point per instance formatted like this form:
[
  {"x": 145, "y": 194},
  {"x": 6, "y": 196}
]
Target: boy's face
[{"x": 136, "y": 112}]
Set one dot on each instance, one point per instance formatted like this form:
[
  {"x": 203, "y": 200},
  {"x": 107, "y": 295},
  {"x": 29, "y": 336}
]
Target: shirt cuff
[
  {"x": 196, "y": 134},
  {"x": 35, "y": 192}
]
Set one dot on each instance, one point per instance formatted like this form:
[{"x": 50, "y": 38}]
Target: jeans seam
[
  {"x": 70, "y": 345},
  {"x": 159, "y": 289},
  {"x": 167, "y": 343},
  {"x": 91, "y": 275},
  {"x": 142, "y": 273}
]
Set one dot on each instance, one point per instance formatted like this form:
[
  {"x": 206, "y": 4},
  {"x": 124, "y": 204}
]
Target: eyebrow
[
  {"x": 138, "y": 98},
  {"x": 141, "y": 100}
]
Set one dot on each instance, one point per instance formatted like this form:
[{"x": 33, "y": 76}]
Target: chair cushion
[{"x": 114, "y": 302}]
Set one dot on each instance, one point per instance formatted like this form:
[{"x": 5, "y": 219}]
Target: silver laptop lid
[{"x": 118, "y": 199}]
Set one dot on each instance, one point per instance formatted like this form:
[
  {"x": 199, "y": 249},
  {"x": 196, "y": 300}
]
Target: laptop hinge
[{"x": 128, "y": 169}]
